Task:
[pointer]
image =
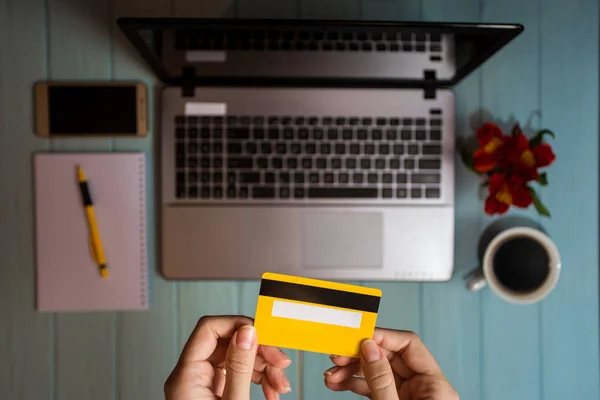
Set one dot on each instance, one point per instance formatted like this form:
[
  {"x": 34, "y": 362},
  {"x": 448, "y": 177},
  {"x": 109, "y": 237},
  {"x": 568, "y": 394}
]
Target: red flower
[
  {"x": 487, "y": 133},
  {"x": 543, "y": 155},
  {"x": 491, "y": 142},
  {"x": 515, "y": 147},
  {"x": 522, "y": 160},
  {"x": 505, "y": 191},
  {"x": 518, "y": 158},
  {"x": 510, "y": 162}
]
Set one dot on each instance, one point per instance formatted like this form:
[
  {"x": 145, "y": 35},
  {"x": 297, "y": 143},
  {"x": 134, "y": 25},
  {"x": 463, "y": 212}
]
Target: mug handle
[{"x": 475, "y": 280}]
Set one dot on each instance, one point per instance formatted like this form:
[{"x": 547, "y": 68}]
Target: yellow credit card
[{"x": 313, "y": 315}]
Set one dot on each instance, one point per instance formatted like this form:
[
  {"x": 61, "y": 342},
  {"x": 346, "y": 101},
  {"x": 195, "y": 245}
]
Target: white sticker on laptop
[
  {"x": 205, "y": 56},
  {"x": 194, "y": 108}
]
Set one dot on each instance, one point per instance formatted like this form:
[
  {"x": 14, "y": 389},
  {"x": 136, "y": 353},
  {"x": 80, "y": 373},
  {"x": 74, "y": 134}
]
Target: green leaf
[
  {"x": 467, "y": 159},
  {"x": 543, "y": 179},
  {"x": 537, "y": 139},
  {"x": 537, "y": 203}
]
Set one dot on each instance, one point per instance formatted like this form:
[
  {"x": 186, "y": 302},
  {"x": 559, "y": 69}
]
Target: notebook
[{"x": 68, "y": 279}]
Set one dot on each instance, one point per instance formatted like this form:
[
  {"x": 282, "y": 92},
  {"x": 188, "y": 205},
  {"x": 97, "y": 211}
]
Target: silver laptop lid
[{"x": 404, "y": 54}]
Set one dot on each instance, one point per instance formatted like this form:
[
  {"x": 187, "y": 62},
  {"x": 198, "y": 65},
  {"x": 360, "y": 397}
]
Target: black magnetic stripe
[
  {"x": 318, "y": 295},
  {"x": 85, "y": 194}
]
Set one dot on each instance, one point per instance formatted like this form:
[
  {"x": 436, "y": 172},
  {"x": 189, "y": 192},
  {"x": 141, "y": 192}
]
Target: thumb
[
  {"x": 378, "y": 372},
  {"x": 239, "y": 364}
]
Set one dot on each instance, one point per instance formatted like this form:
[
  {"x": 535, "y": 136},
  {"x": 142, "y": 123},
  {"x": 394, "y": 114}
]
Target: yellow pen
[{"x": 95, "y": 242}]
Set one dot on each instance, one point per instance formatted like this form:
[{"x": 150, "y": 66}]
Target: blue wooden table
[{"x": 489, "y": 349}]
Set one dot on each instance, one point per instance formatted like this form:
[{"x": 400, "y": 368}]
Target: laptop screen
[{"x": 405, "y": 54}]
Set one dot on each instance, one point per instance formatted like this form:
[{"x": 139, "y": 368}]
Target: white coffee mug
[{"x": 486, "y": 275}]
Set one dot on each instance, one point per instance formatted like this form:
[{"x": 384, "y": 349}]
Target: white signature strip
[{"x": 324, "y": 315}]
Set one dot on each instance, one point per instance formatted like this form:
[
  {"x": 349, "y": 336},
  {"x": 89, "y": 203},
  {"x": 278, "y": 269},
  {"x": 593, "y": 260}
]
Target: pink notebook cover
[{"x": 67, "y": 277}]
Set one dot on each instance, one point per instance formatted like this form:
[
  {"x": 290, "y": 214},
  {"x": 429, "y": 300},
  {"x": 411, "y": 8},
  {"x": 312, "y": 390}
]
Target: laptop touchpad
[{"x": 342, "y": 240}]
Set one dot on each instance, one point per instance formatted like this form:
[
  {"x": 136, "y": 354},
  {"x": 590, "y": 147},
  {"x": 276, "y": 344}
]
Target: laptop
[{"x": 323, "y": 149}]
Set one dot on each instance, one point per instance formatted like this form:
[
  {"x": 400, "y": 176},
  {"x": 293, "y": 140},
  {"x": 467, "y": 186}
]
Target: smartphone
[{"x": 91, "y": 109}]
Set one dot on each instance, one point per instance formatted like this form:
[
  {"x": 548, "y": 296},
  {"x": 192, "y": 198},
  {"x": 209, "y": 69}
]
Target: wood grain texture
[
  {"x": 400, "y": 306},
  {"x": 197, "y": 299},
  {"x": 452, "y": 315},
  {"x": 514, "y": 70},
  {"x": 79, "y": 47},
  {"x": 146, "y": 342},
  {"x": 488, "y": 349},
  {"x": 85, "y": 349},
  {"x": 26, "y": 347},
  {"x": 569, "y": 104}
]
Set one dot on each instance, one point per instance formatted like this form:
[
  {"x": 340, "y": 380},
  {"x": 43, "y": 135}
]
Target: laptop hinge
[
  {"x": 429, "y": 78},
  {"x": 188, "y": 78}
]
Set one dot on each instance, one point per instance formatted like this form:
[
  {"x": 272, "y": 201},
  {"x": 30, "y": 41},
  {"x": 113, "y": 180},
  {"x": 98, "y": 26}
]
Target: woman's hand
[
  {"x": 395, "y": 365},
  {"x": 220, "y": 361}
]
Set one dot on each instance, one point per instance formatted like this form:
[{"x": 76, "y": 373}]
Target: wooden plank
[
  {"x": 332, "y": 9},
  {"x": 313, "y": 386},
  {"x": 569, "y": 104},
  {"x": 248, "y": 297},
  {"x": 451, "y": 319},
  {"x": 86, "y": 54},
  {"x": 25, "y": 335},
  {"x": 197, "y": 299},
  {"x": 85, "y": 348},
  {"x": 511, "y": 374},
  {"x": 146, "y": 341},
  {"x": 398, "y": 10},
  {"x": 400, "y": 306},
  {"x": 79, "y": 47},
  {"x": 452, "y": 315},
  {"x": 267, "y": 8},
  {"x": 204, "y": 9}
]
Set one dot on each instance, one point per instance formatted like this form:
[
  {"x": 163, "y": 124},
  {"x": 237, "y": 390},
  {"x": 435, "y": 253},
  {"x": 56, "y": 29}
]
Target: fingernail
[
  {"x": 331, "y": 371},
  {"x": 287, "y": 389},
  {"x": 333, "y": 356},
  {"x": 246, "y": 337},
  {"x": 370, "y": 351},
  {"x": 286, "y": 385}
]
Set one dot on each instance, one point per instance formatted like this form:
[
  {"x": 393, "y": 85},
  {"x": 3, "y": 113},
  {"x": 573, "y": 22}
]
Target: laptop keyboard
[
  {"x": 288, "y": 158},
  {"x": 292, "y": 40}
]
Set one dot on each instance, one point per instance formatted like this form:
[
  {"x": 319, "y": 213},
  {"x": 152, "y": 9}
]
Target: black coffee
[{"x": 521, "y": 264}]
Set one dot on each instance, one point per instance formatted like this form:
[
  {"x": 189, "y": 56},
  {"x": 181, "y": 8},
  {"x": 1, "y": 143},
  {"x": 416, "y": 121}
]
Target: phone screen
[{"x": 92, "y": 109}]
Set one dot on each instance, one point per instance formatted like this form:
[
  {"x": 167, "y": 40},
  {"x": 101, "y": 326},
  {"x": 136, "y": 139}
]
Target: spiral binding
[{"x": 143, "y": 246}]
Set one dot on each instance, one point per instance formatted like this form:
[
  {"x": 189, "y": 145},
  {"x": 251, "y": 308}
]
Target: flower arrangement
[{"x": 509, "y": 163}]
